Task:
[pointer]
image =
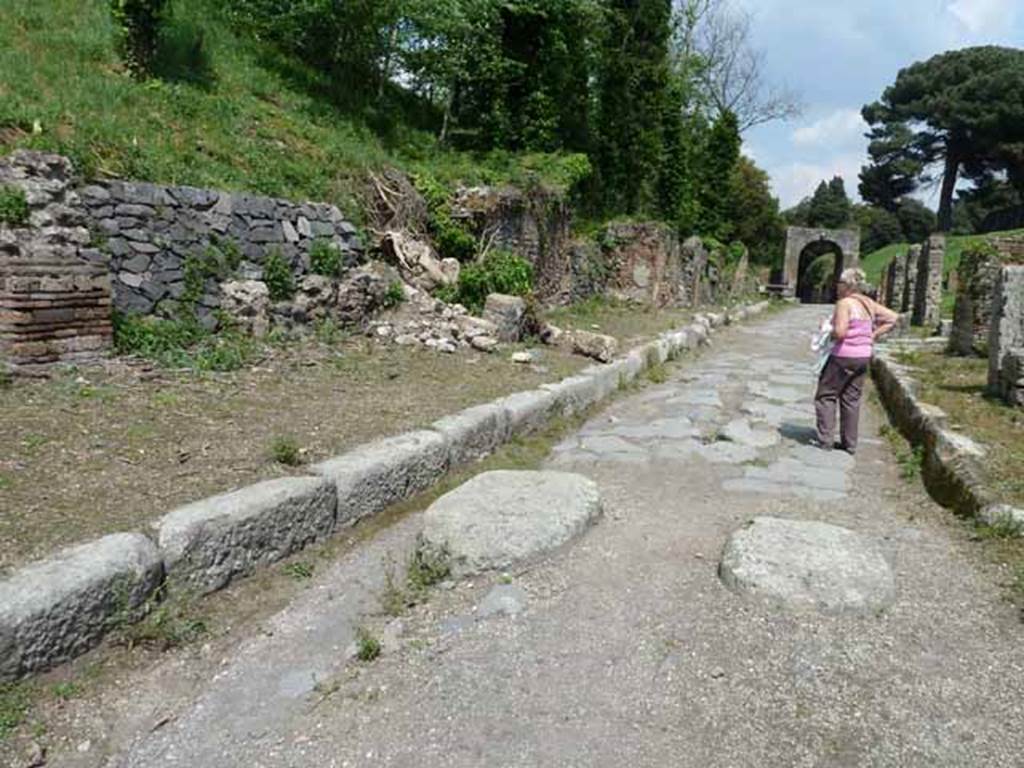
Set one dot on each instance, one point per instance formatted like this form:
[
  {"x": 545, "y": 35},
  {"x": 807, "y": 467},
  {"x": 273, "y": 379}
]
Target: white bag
[{"x": 822, "y": 344}]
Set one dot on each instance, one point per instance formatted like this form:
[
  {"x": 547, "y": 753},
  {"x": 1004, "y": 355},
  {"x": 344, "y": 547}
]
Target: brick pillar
[{"x": 55, "y": 301}]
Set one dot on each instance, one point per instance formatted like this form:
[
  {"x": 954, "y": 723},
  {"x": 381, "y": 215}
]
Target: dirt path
[{"x": 629, "y": 650}]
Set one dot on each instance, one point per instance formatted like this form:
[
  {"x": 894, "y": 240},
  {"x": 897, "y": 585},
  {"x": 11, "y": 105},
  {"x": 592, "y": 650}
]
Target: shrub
[
  {"x": 450, "y": 237},
  {"x": 499, "y": 272},
  {"x": 277, "y": 274},
  {"x": 285, "y": 450},
  {"x": 324, "y": 258},
  {"x": 139, "y": 23},
  {"x": 367, "y": 646},
  {"x": 181, "y": 343},
  {"x": 13, "y": 207},
  {"x": 395, "y": 295}
]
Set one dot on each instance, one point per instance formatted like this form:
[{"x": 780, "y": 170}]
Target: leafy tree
[
  {"x": 878, "y": 227},
  {"x": 717, "y": 193},
  {"x": 961, "y": 110},
  {"x": 757, "y": 221},
  {"x": 829, "y": 207},
  {"x": 633, "y": 91},
  {"x": 917, "y": 221}
]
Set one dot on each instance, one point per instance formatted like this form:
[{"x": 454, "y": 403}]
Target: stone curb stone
[
  {"x": 574, "y": 394},
  {"x": 372, "y": 477},
  {"x": 473, "y": 433},
  {"x": 501, "y": 518},
  {"x": 608, "y": 377},
  {"x": 54, "y": 610},
  {"x": 805, "y": 564},
  {"x": 528, "y": 411},
  {"x": 952, "y": 470},
  {"x": 1005, "y": 516},
  {"x": 207, "y": 544}
]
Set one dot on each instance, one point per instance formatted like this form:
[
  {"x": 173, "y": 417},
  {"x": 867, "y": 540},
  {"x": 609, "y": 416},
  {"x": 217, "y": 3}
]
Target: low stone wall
[
  {"x": 161, "y": 238},
  {"x": 59, "y": 608},
  {"x": 55, "y": 295},
  {"x": 953, "y": 463}
]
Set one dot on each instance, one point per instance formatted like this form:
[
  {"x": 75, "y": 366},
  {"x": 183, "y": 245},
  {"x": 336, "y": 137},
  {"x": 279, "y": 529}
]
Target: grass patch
[
  {"x": 182, "y": 344},
  {"x": 958, "y": 386},
  {"x": 300, "y": 571},
  {"x": 13, "y": 207},
  {"x": 286, "y": 451},
  {"x": 168, "y": 621},
  {"x": 15, "y": 700},
  {"x": 367, "y": 645}
]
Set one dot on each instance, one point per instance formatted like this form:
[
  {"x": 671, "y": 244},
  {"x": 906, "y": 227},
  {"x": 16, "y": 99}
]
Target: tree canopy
[{"x": 958, "y": 113}]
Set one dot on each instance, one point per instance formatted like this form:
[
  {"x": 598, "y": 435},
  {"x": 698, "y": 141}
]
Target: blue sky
[{"x": 841, "y": 54}]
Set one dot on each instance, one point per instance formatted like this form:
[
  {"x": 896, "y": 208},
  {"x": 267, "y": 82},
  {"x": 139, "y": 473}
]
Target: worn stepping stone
[
  {"x": 500, "y": 518},
  {"x": 807, "y": 565}
]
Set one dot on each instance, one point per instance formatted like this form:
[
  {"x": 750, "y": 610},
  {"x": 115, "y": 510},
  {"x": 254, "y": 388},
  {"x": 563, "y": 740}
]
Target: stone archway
[{"x": 802, "y": 242}]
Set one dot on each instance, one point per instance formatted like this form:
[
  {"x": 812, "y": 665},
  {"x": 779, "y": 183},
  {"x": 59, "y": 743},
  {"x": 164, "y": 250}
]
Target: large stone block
[
  {"x": 207, "y": 544},
  {"x": 371, "y": 478},
  {"x": 54, "y": 610},
  {"x": 1007, "y": 329},
  {"x": 574, "y": 395},
  {"x": 529, "y": 411},
  {"x": 473, "y": 433},
  {"x": 507, "y": 313}
]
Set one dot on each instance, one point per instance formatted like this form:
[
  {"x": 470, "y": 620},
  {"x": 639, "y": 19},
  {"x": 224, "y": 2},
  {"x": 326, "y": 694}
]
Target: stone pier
[{"x": 1006, "y": 334}]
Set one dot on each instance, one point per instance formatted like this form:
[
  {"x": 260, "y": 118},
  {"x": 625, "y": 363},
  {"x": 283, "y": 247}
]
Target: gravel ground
[{"x": 627, "y": 650}]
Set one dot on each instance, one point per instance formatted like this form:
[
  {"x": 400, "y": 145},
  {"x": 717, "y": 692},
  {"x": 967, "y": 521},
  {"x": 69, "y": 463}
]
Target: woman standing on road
[{"x": 858, "y": 321}]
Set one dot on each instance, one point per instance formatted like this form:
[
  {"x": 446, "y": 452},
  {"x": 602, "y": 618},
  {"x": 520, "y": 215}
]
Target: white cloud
[
  {"x": 841, "y": 128},
  {"x": 795, "y": 181},
  {"x": 983, "y": 16}
]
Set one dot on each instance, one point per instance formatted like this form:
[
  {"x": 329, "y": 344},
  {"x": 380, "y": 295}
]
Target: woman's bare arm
[
  {"x": 885, "y": 319},
  {"x": 841, "y": 320}
]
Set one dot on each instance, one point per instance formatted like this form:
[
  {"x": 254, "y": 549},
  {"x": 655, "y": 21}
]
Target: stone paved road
[{"x": 628, "y": 649}]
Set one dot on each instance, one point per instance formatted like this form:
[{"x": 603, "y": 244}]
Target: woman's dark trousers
[{"x": 842, "y": 383}]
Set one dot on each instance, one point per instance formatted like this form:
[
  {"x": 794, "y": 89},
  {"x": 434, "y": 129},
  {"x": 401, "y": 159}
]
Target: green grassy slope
[
  {"x": 240, "y": 116},
  {"x": 875, "y": 263}
]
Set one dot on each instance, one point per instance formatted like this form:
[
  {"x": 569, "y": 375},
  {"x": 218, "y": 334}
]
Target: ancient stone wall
[
  {"x": 535, "y": 225},
  {"x": 1011, "y": 384},
  {"x": 161, "y": 239},
  {"x": 55, "y": 301},
  {"x": 1006, "y": 333},
  {"x": 645, "y": 262},
  {"x": 976, "y": 284},
  {"x": 912, "y": 260}
]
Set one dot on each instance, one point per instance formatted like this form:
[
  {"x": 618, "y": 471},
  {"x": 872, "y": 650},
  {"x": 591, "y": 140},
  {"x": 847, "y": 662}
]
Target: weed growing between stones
[
  {"x": 1000, "y": 529},
  {"x": 324, "y": 258},
  {"x": 656, "y": 374},
  {"x": 181, "y": 343},
  {"x": 910, "y": 459},
  {"x": 367, "y": 646},
  {"x": 428, "y": 565},
  {"x": 277, "y": 274},
  {"x": 13, "y": 207},
  {"x": 286, "y": 451},
  {"x": 394, "y": 295},
  {"x": 168, "y": 621},
  {"x": 300, "y": 571}
]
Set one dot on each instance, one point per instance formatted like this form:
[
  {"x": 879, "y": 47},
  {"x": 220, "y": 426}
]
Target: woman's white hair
[{"x": 854, "y": 278}]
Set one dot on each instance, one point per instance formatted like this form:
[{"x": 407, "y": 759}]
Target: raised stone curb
[
  {"x": 952, "y": 468},
  {"x": 474, "y": 432},
  {"x": 372, "y": 477},
  {"x": 206, "y": 544},
  {"x": 56, "y": 609}
]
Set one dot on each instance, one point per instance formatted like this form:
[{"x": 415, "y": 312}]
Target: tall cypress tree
[
  {"x": 718, "y": 201},
  {"x": 633, "y": 94}
]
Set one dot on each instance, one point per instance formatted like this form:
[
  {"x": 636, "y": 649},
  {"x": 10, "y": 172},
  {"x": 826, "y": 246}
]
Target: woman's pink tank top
[{"x": 859, "y": 340}]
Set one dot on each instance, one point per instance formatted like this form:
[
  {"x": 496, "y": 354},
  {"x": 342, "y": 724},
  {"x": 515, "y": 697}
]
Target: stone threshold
[
  {"x": 58, "y": 608},
  {"x": 953, "y": 463}
]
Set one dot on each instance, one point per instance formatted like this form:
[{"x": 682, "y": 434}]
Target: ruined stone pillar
[
  {"x": 897, "y": 282},
  {"x": 1006, "y": 331},
  {"x": 927, "y": 307},
  {"x": 911, "y": 261}
]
